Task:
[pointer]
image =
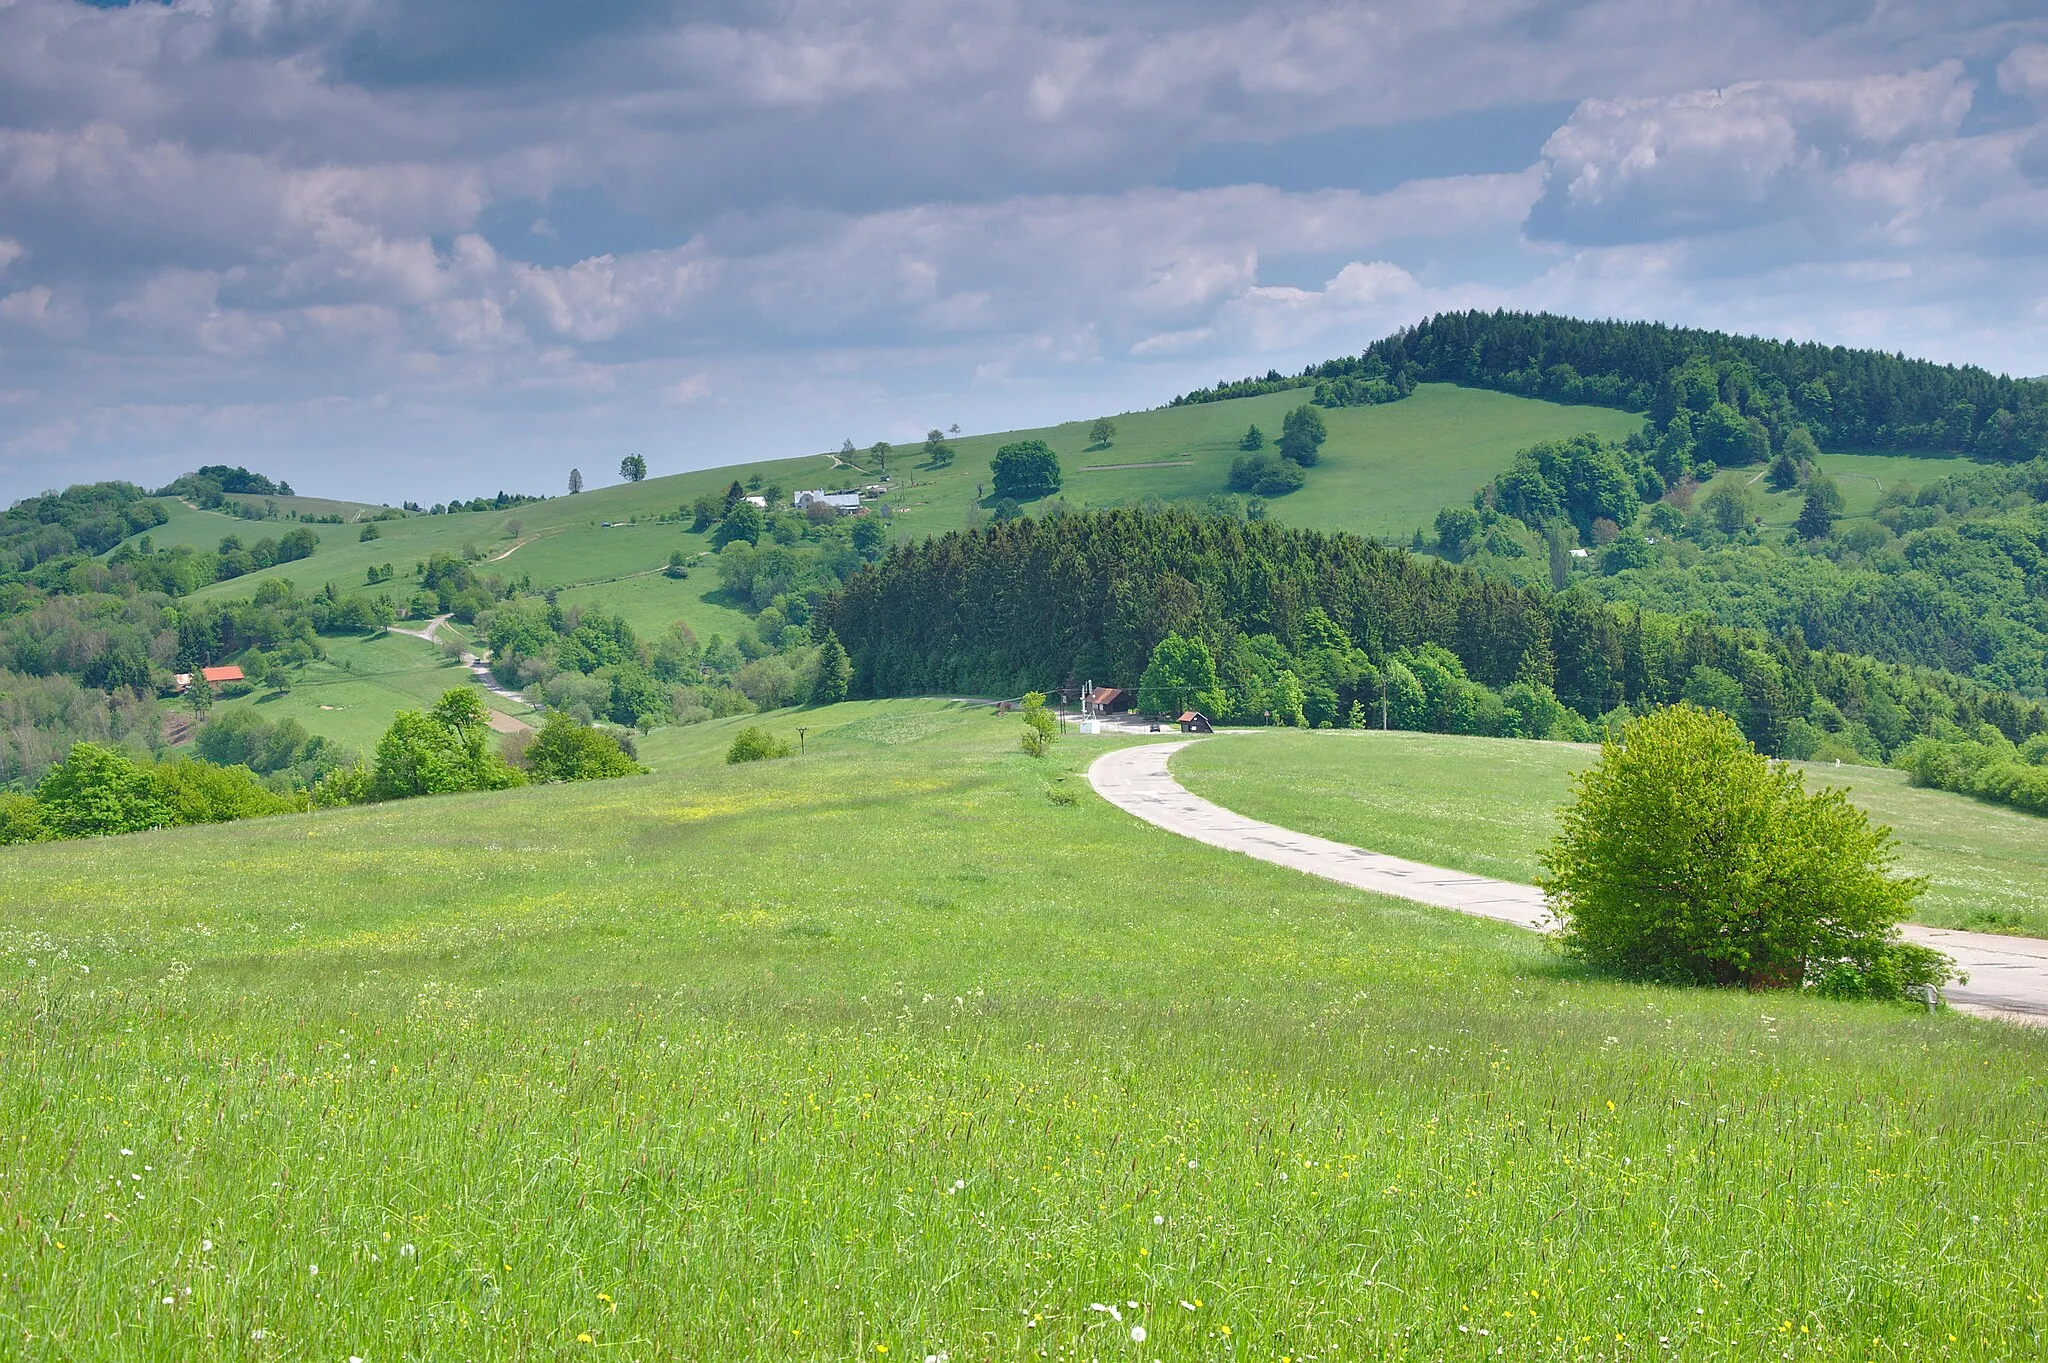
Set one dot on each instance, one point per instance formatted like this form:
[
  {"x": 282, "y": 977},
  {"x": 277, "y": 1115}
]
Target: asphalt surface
[{"x": 2008, "y": 976}]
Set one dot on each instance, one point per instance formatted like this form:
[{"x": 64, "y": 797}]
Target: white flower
[
  {"x": 1191, "y": 1164},
  {"x": 1158, "y": 1220},
  {"x": 206, "y": 1246},
  {"x": 256, "y": 1334},
  {"x": 1137, "y": 1334},
  {"x": 405, "y": 1251},
  {"x": 313, "y": 1269},
  {"x": 170, "y": 1301},
  {"x": 126, "y": 1151},
  {"x": 354, "y": 1359}
]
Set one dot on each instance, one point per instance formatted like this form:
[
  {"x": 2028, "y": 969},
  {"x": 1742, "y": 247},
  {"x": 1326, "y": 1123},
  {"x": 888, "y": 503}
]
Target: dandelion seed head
[{"x": 1137, "y": 1334}]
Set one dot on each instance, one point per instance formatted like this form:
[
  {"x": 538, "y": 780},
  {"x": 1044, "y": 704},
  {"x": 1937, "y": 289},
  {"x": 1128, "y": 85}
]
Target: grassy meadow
[
  {"x": 351, "y": 695},
  {"x": 1489, "y": 805},
  {"x": 913, "y": 1047}
]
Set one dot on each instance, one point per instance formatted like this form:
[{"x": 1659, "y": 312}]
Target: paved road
[{"x": 2008, "y": 975}]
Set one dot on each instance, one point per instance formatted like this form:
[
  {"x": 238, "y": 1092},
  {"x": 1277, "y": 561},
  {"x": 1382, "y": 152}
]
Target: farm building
[
  {"x": 845, "y": 503},
  {"x": 1104, "y": 700},
  {"x": 1195, "y": 722},
  {"x": 215, "y": 676}
]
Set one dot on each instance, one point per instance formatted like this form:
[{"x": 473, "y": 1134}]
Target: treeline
[
  {"x": 100, "y": 790},
  {"x": 1356, "y": 381},
  {"x": 1987, "y": 765},
  {"x": 1844, "y": 397},
  {"x": 1048, "y": 604}
]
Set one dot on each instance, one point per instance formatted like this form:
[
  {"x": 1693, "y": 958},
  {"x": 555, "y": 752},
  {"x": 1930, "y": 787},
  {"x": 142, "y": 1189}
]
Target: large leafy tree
[
  {"x": 564, "y": 750},
  {"x": 1180, "y": 676},
  {"x": 446, "y": 749},
  {"x": 1302, "y": 433},
  {"x": 1025, "y": 469},
  {"x": 633, "y": 468},
  {"x": 1688, "y": 857}
]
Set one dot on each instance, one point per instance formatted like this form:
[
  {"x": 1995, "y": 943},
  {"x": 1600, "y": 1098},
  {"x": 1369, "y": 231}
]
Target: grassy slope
[
  {"x": 351, "y": 695},
  {"x": 883, "y": 1049},
  {"x": 1489, "y": 805}
]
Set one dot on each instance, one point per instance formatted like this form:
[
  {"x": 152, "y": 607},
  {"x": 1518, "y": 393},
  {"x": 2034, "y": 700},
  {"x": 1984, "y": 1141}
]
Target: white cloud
[
  {"x": 1707, "y": 160},
  {"x": 2025, "y": 70},
  {"x": 869, "y": 217}
]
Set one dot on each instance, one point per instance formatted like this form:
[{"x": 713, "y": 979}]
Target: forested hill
[
  {"x": 1045, "y": 604},
  {"x": 1845, "y": 397}
]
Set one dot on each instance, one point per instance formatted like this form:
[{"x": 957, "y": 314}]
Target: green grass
[
  {"x": 881, "y": 1052},
  {"x": 351, "y": 695},
  {"x": 1861, "y": 479},
  {"x": 1489, "y": 805}
]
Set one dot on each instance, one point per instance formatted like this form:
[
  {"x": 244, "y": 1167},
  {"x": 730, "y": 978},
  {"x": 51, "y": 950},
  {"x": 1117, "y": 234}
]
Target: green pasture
[
  {"x": 1489, "y": 805},
  {"x": 351, "y": 695},
  {"x": 1861, "y": 479},
  {"x": 1384, "y": 471},
  {"x": 911, "y": 1046}
]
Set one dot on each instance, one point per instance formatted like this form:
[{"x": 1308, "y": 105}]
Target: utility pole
[
  {"x": 1383, "y": 700},
  {"x": 801, "y": 730}
]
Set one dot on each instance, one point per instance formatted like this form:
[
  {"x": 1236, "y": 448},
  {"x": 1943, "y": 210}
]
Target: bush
[
  {"x": 564, "y": 750},
  {"x": 1686, "y": 857},
  {"x": 1041, "y": 726},
  {"x": 755, "y": 744}
]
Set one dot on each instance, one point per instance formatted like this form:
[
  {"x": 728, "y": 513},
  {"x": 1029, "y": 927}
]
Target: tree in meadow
[
  {"x": 1302, "y": 435},
  {"x": 1815, "y": 521},
  {"x": 1254, "y": 439},
  {"x": 575, "y": 481},
  {"x": 632, "y": 468},
  {"x": 1102, "y": 433},
  {"x": 1024, "y": 469}
]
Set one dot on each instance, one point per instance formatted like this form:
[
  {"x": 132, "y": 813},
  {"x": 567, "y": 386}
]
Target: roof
[
  {"x": 221, "y": 674},
  {"x": 1190, "y": 717},
  {"x": 1105, "y": 694}
]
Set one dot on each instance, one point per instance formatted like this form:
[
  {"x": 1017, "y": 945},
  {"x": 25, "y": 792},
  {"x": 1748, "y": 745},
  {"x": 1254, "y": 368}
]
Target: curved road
[{"x": 2008, "y": 975}]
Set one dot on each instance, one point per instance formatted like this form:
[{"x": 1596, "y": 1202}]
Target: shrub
[
  {"x": 1041, "y": 727},
  {"x": 1687, "y": 857},
  {"x": 21, "y": 818},
  {"x": 564, "y": 750},
  {"x": 755, "y": 744},
  {"x": 98, "y": 790}
]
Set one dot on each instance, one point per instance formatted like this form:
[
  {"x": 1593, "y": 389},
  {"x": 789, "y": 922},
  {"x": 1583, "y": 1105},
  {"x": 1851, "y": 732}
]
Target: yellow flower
[
  {"x": 1225, "y": 1329},
  {"x": 585, "y": 1338}
]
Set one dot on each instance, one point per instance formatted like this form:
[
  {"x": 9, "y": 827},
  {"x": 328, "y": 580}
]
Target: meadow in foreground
[
  {"x": 1488, "y": 805},
  {"x": 911, "y": 1046}
]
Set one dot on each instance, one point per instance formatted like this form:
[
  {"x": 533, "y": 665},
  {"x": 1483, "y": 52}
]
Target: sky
[{"x": 418, "y": 249}]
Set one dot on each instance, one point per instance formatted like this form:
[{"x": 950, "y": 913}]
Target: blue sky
[{"x": 421, "y": 248}]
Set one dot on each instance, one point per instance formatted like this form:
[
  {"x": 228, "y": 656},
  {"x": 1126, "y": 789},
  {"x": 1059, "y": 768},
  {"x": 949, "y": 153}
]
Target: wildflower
[
  {"x": 1223, "y": 1330},
  {"x": 405, "y": 1251},
  {"x": 256, "y": 1333},
  {"x": 313, "y": 1269},
  {"x": 1137, "y": 1334},
  {"x": 169, "y": 1301},
  {"x": 585, "y": 1338},
  {"x": 206, "y": 1246},
  {"x": 1158, "y": 1220},
  {"x": 126, "y": 1151}
]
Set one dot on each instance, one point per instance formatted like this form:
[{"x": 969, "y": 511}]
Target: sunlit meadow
[{"x": 911, "y": 1047}]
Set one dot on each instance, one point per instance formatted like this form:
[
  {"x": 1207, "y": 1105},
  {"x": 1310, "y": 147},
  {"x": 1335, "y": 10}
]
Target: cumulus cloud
[
  {"x": 502, "y": 231},
  {"x": 1707, "y": 160}
]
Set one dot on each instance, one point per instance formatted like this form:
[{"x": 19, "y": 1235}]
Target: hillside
[{"x": 883, "y": 1047}]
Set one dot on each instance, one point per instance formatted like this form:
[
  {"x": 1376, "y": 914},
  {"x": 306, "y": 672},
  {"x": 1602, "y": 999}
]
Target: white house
[{"x": 845, "y": 503}]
